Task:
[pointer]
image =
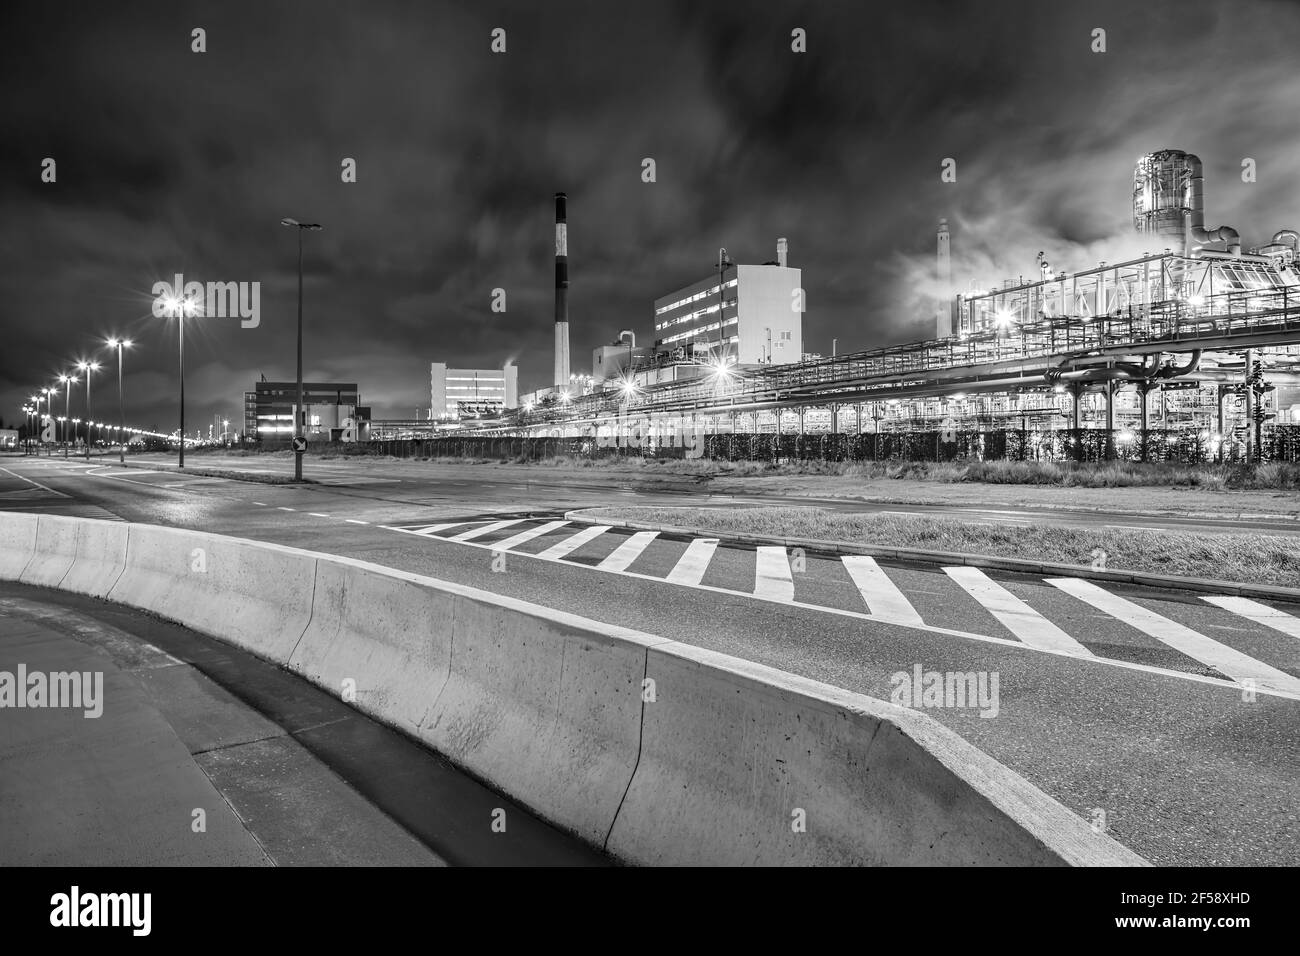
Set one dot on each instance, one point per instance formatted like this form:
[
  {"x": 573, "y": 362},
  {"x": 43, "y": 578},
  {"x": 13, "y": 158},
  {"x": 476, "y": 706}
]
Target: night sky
[{"x": 173, "y": 161}]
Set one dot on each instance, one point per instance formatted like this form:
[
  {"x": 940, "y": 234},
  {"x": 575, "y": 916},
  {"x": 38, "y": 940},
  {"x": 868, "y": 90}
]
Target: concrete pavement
[{"x": 204, "y": 755}]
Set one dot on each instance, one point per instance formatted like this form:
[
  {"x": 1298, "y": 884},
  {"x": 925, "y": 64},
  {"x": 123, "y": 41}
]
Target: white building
[
  {"x": 463, "y": 393},
  {"x": 761, "y": 308}
]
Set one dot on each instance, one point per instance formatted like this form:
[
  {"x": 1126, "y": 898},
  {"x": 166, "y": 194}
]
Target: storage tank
[{"x": 1161, "y": 193}]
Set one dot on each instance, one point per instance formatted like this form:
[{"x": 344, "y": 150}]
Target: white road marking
[
  {"x": 1259, "y": 613},
  {"x": 260, "y": 504},
  {"x": 317, "y": 514},
  {"x": 772, "y": 578},
  {"x": 1013, "y": 613},
  {"x": 573, "y": 542},
  {"x": 1224, "y": 659},
  {"x": 1203, "y": 679},
  {"x": 694, "y": 562},
  {"x": 486, "y": 529},
  {"x": 57, "y": 494},
  {"x": 883, "y": 598},
  {"x": 628, "y": 551},
  {"x": 355, "y": 521},
  {"x": 283, "y": 508},
  {"x": 524, "y": 537}
]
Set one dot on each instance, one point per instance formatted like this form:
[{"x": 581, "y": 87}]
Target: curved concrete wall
[{"x": 661, "y": 752}]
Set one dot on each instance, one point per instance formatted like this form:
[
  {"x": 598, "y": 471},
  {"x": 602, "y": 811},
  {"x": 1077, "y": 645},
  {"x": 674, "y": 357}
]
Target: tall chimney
[
  {"x": 782, "y": 250},
  {"x": 561, "y": 292},
  {"x": 943, "y": 272}
]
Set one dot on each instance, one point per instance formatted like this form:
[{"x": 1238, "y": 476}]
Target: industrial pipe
[
  {"x": 1224, "y": 234},
  {"x": 1173, "y": 371}
]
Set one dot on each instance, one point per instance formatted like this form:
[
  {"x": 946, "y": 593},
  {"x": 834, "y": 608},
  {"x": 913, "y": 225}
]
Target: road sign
[{"x": 299, "y": 444}]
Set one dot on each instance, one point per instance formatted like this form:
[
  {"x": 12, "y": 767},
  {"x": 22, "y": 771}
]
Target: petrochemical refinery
[{"x": 1192, "y": 351}]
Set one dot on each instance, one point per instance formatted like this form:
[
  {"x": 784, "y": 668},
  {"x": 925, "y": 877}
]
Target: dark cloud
[{"x": 171, "y": 161}]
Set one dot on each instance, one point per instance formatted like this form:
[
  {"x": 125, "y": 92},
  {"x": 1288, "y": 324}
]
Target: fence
[{"x": 1280, "y": 443}]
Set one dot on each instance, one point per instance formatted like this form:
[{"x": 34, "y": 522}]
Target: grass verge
[{"x": 1244, "y": 558}]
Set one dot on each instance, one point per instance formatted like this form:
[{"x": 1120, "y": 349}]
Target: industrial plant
[{"x": 1189, "y": 352}]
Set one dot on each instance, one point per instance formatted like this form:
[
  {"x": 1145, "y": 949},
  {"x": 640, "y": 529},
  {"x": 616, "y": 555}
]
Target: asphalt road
[{"x": 1133, "y": 707}]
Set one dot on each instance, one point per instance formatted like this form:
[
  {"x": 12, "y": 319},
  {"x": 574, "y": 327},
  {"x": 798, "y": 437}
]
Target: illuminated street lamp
[
  {"x": 88, "y": 367},
  {"x": 67, "y": 381},
  {"x": 300, "y": 412},
  {"x": 120, "y": 344},
  {"x": 181, "y": 309}
]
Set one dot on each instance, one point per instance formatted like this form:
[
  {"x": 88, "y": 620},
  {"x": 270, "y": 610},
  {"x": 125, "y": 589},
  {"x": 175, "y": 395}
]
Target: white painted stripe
[
  {"x": 1259, "y": 613},
  {"x": 282, "y": 508},
  {"x": 486, "y": 529},
  {"x": 317, "y": 514},
  {"x": 628, "y": 551},
  {"x": 1014, "y": 614},
  {"x": 772, "y": 579},
  {"x": 882, "y": 596},
  {"x": 524, "y": 537},
  {"x": 433, "y": 528},
  {"x": 1183, "y": 639},
  {"x": 573, "y": 542},
  {"x": 694, "y": 562},
  {"x": 260, "y": 504},
  {"x": 355, "y": 521}
]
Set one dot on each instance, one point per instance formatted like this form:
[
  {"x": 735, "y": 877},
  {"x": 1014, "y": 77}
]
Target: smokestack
[
  {"x": 561, "y": 292},
  {"x": 782, "y": 251},
  {"x": 943, "y": 272}
]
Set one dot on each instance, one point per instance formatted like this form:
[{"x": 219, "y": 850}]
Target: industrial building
[
  {"x": 611, "y": 363},
  {"x": 741, "y": 314},
  {"x": 269, "y": 408},
  {"x": 459, "y": 393},
  {"x": 1189, "y": 351}
]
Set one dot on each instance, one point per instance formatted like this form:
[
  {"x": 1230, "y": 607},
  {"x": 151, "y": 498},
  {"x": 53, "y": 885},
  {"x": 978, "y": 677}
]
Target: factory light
[{"x": 1004, "y": 317}]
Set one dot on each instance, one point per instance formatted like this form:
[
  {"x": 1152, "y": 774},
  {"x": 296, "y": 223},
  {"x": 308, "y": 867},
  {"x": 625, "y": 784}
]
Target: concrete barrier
[
  {"x": 17, "y": 544},
  {"x": 255, "y": 595},
  {"x": 100, "y": 557},
  {"x": 659, "y": 751},
  {"x": 388, "y": 632},
  {"x": 543, "y": 704},
  {"x": 56, "y": 549},
  {"x": 741, "y": 764}
]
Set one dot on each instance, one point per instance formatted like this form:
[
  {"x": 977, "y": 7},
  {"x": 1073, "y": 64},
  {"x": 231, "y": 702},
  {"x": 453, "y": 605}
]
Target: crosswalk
[{"x": 1253, "y": 644}]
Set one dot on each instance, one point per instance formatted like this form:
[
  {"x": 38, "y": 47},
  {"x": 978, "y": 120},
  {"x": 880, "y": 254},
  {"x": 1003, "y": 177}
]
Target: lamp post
[
  {"x": 67, "y": 381},
  {"x": 180, "y": 309},
  {"x": 299, "y": 411},
  {"x": 88, "y": 367},
  {"x": 120, "y": 344}
]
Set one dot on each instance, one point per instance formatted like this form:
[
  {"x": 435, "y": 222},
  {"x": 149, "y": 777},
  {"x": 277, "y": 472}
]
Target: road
[{"x": 1132, "y": 706}]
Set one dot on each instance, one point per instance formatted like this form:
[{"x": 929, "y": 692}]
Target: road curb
[{"x": 1274, "y": 592}]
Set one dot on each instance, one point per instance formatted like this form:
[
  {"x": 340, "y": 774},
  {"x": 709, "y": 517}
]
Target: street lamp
[
  {"x": 180, "y": 309},
  {"x": 88, "y": 367},
  {"x": 300, "y": 411},
  {"x": 120, "y": 344},
  {"x": 67, "y": 381}
]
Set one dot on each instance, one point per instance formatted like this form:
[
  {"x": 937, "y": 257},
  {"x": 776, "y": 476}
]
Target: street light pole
[
  {"x": 67, "y": 409},
  {"x": 300, "y": 412},
  {"x": 120, "y": 344},
  {"x": 180, "y": 338},
  {"x": 88, "y": 367}
]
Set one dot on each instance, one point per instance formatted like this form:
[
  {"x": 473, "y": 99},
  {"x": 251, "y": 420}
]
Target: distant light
[
  {"x": 1004, "y": 316},
  {"x": 1125, "y": 436},
  {"x": 1196, "y": 301}
]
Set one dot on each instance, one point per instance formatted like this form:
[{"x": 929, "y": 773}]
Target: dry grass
[{"x": 1258, "y": 559}]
